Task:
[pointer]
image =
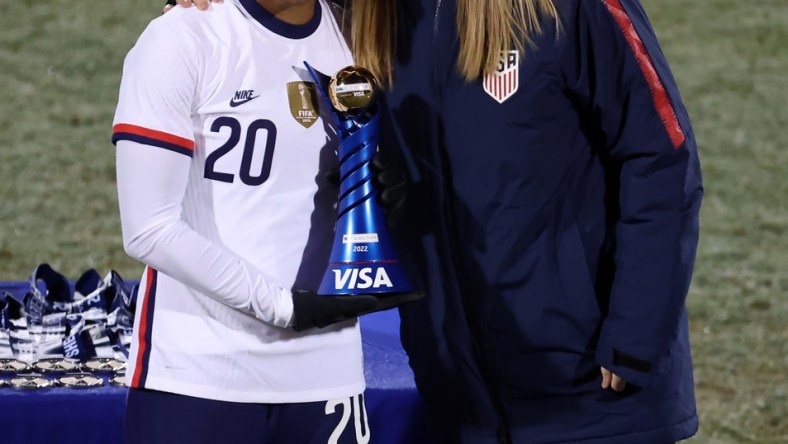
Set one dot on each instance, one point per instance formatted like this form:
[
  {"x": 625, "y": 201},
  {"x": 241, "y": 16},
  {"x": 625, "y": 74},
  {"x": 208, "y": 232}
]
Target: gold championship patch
[{"x": 304, "y": 105}]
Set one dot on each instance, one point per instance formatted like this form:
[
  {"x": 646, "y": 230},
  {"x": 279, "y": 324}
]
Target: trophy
[{"x": 362, "y": 260}]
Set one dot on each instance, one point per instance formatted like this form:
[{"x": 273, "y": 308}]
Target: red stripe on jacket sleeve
[{"x": 661, "y": 100}]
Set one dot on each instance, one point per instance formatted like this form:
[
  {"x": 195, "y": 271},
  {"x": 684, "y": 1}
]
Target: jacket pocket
[{"x": 576, "y": 282}]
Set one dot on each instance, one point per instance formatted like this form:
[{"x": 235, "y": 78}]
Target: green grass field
[{"x": 60, "y": 64}]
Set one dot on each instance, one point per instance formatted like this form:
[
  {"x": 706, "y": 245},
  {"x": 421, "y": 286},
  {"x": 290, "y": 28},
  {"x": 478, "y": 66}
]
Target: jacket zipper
[{"x": 502, "y": 431}]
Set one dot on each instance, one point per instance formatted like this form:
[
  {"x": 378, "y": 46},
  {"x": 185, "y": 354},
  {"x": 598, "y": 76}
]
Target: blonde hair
[{"x": 485, "y": 27}]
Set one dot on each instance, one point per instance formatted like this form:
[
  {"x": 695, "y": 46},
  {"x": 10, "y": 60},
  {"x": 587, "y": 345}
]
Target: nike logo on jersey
[{"x": 242, "y": 96}]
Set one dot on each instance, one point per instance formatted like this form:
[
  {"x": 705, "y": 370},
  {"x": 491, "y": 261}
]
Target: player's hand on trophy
[
  {"x": 391, "y": 178},
  {"x": 312, "y": 310},
  {"x": 200, "y": 4}
]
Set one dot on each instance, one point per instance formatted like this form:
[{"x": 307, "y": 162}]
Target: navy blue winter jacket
[{"x": 554, "y": 223}]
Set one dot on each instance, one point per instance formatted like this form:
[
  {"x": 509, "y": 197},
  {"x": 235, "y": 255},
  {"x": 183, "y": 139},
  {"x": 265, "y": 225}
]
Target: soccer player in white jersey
[{"x": 221, "y": 165}]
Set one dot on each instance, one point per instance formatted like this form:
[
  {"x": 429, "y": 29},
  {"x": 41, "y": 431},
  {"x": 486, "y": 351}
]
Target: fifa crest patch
[
  {"x": 504, "y": 81},
  {"x": 304, "y": 106}
]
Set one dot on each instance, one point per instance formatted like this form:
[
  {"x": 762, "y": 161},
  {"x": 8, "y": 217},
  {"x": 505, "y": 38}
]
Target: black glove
[
  {"x": 313, "y": 310},
  {"x": 332, "y": 176},
  {"x": 391, "y": 178}
]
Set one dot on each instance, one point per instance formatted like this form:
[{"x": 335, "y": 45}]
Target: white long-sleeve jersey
[{"x": 221, "y": 156}]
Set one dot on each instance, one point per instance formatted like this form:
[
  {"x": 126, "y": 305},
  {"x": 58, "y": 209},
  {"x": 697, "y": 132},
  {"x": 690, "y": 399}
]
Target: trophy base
[{"x": 373, "y": 278}]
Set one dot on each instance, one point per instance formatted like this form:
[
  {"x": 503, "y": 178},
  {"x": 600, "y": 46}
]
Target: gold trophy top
[{"x": 352, "y": 88}]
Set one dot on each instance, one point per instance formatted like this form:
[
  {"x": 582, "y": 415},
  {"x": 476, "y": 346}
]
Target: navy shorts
[{"x": 154, "y": 417}]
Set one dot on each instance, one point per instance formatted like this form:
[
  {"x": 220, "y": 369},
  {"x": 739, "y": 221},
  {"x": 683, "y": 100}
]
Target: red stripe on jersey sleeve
[
  {"x": 661, "y": 100},
  {"x": 153, "y": 134}
]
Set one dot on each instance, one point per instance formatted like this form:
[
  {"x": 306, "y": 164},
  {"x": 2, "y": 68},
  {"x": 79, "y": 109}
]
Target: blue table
[{"x": 82, "y": 416}]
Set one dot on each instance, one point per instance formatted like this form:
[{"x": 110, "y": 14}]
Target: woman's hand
[
  {"x": 200, "y": 4},
  {"x": 611, "y": 380}
]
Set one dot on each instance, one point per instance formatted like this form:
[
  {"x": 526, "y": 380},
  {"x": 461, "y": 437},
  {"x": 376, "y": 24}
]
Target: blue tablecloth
[{"x": 82, "y": 416}]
